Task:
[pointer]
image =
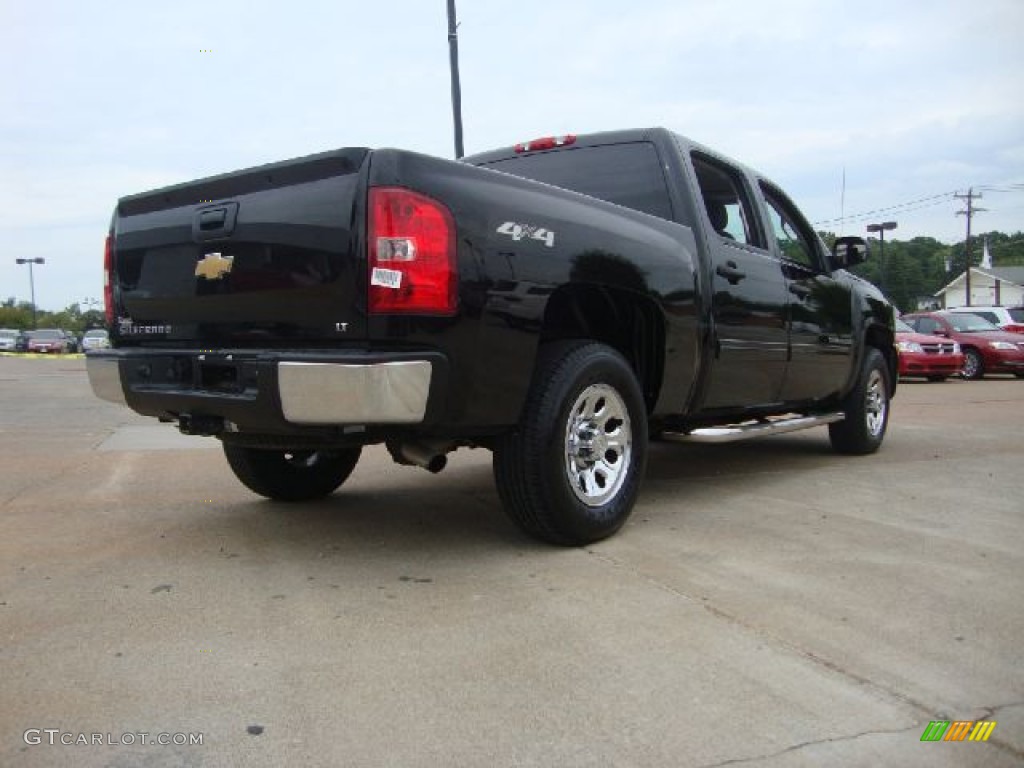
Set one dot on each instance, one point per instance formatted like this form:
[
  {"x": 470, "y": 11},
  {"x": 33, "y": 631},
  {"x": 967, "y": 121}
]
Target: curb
[{"x": 44, "y": 355}]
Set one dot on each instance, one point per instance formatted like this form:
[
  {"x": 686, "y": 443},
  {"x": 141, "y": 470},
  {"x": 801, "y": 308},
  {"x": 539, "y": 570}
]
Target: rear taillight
[
  {"x": 548, "y": 142},
  {"x": 108, "y": 281},
  {"x": 412, "y": 254}
]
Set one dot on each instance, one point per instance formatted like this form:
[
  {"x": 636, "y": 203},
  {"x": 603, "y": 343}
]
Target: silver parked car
[
  {"x": 12, "y": 340},
  {"x": 97, "y": 338}
]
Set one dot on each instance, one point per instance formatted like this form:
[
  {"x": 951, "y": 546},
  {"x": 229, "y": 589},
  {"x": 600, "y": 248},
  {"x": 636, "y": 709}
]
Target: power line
[
  {"x": 1007, "y": 188},
  {"x": 911, "y": 209},
  {"x": 932, "y": 199}
]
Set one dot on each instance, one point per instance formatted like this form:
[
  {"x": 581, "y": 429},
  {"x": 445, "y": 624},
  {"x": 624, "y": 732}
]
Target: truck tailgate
[{"x": 266, "y": 256}]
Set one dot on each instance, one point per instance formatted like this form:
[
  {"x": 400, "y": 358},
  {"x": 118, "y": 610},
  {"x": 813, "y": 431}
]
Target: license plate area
[{"x": 220, "y": 377}]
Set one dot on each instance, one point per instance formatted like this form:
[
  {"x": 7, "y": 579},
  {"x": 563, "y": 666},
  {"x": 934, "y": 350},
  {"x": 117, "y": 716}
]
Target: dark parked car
[
  {"x": 934, "y": 357},
  {"x": 986, "y": 347},
  {"x": 49, "y": 340},
  {"x": 74, "y": 341},
  {"x": 12, "y": 340}
]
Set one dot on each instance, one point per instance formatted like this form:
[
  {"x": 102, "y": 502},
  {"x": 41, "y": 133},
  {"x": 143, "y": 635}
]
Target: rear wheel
[
  {"x": 974, "y": 366},
  {"x": 570, "y": 473},
  {"x": 866, "y": 408},
  {"x": 291, "y": 475}
]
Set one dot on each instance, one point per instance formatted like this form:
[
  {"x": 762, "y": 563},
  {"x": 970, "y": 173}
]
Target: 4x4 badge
[{"x": 213, "y": 266}]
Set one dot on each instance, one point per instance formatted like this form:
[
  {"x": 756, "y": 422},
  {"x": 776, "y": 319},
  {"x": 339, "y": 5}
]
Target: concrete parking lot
[{"x": 769, "y": 604}]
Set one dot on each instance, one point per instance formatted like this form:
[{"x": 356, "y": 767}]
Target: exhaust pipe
[{"x": 431, "y": 458}]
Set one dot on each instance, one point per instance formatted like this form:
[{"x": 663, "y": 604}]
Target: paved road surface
[{"x": 769, "y": 604}]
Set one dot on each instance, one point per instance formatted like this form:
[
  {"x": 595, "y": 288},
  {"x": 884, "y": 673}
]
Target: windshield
[
  {"x": 46, "y": 334},
  {"x": 902, "y": 327},
  {"x": 8, "y": 334},
  {"x": 94, "y": 334},
  {"x": 970, "y": 323}
]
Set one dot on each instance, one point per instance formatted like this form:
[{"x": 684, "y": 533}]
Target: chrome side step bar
[{"x": 750, "y": 429}]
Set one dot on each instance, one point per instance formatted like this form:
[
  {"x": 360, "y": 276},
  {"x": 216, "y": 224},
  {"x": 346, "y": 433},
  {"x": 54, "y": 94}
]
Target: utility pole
[
  {"x": 970, "y": 197},
  {"x": 453, "y": 58}
]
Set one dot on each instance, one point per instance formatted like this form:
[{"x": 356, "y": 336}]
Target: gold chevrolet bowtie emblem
[{"x": 213, "y": 266}]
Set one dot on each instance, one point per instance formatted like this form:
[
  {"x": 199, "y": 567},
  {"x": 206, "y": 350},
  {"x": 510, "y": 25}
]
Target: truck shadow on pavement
[{"x": 401, "y": 510}]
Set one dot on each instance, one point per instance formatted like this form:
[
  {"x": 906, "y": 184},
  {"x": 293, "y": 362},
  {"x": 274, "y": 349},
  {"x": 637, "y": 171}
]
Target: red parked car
[
  {"x": 48, "y": 340},
  {"x": 986, "y": 348},
  {"x": 934, "y": 357}
]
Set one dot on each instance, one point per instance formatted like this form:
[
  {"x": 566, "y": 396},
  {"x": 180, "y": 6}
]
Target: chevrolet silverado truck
[{"x": 560, "y": 302}]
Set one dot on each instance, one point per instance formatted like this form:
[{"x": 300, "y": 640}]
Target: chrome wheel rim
[
  {"x": 598, "y": 445},
  {"x": 875, "y": 403},
  {"x": 971, "y": 364}
]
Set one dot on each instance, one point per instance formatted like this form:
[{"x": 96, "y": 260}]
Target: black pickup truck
[{"x": 560, "y": 302}]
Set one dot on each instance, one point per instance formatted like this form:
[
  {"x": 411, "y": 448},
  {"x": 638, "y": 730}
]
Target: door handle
[{"x": 730, "y": 272}]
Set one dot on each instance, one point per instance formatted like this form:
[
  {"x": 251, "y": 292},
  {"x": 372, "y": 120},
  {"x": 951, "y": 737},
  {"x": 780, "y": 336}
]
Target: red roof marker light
[{"x": 548, "y": 142}]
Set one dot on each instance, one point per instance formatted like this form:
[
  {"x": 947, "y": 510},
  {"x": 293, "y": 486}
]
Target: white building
[{"x": 992, "y": 286}]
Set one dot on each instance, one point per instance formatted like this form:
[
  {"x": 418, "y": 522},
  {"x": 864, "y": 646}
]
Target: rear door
[{"x": 748, "y": 302}]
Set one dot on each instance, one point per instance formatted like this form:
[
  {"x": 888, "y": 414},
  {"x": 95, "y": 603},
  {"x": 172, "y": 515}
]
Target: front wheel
[
  {"x": 974, "y": 366},
  {"x": 866, "y": 409},
  {"x": 291, "y": 475},
  {"x": 570, "y": 473}
]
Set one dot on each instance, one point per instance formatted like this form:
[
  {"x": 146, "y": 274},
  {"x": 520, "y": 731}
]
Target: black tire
[
  {"x": 974, "y": 366},
  {"x": 569, "y": 474},
  {"x": 866, "y": 408},
  {"x": 937, "y": 378},
  {"x": 291, "y": 475}
]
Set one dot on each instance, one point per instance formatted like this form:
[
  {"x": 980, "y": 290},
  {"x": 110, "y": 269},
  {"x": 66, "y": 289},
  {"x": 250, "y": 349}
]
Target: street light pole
[
  {"x": 32, "y": 283},
  {"x": 880, "y": 229},
  {"x": 453, "y": 59}
]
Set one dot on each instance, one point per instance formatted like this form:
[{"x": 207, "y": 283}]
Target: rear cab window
[
  {"x": 727, "y": 202},
  {"x": 627, "y": 174}
]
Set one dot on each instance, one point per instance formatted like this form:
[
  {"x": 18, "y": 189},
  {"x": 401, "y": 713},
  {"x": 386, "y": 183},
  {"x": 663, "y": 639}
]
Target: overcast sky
[{"x": 914, "y": 99}]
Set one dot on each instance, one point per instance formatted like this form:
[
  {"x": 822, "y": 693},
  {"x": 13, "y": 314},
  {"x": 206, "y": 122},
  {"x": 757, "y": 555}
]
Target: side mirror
[{"x": 848, "y": 251}]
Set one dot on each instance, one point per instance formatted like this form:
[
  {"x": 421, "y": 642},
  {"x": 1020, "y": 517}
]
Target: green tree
[{"x": 19, "y": 316}]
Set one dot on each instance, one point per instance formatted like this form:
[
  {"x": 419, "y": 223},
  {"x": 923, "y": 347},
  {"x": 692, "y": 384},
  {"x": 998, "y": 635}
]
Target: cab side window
[
  {"x": 726, "y": 202},
  {"x": 792, "y": 234}
]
